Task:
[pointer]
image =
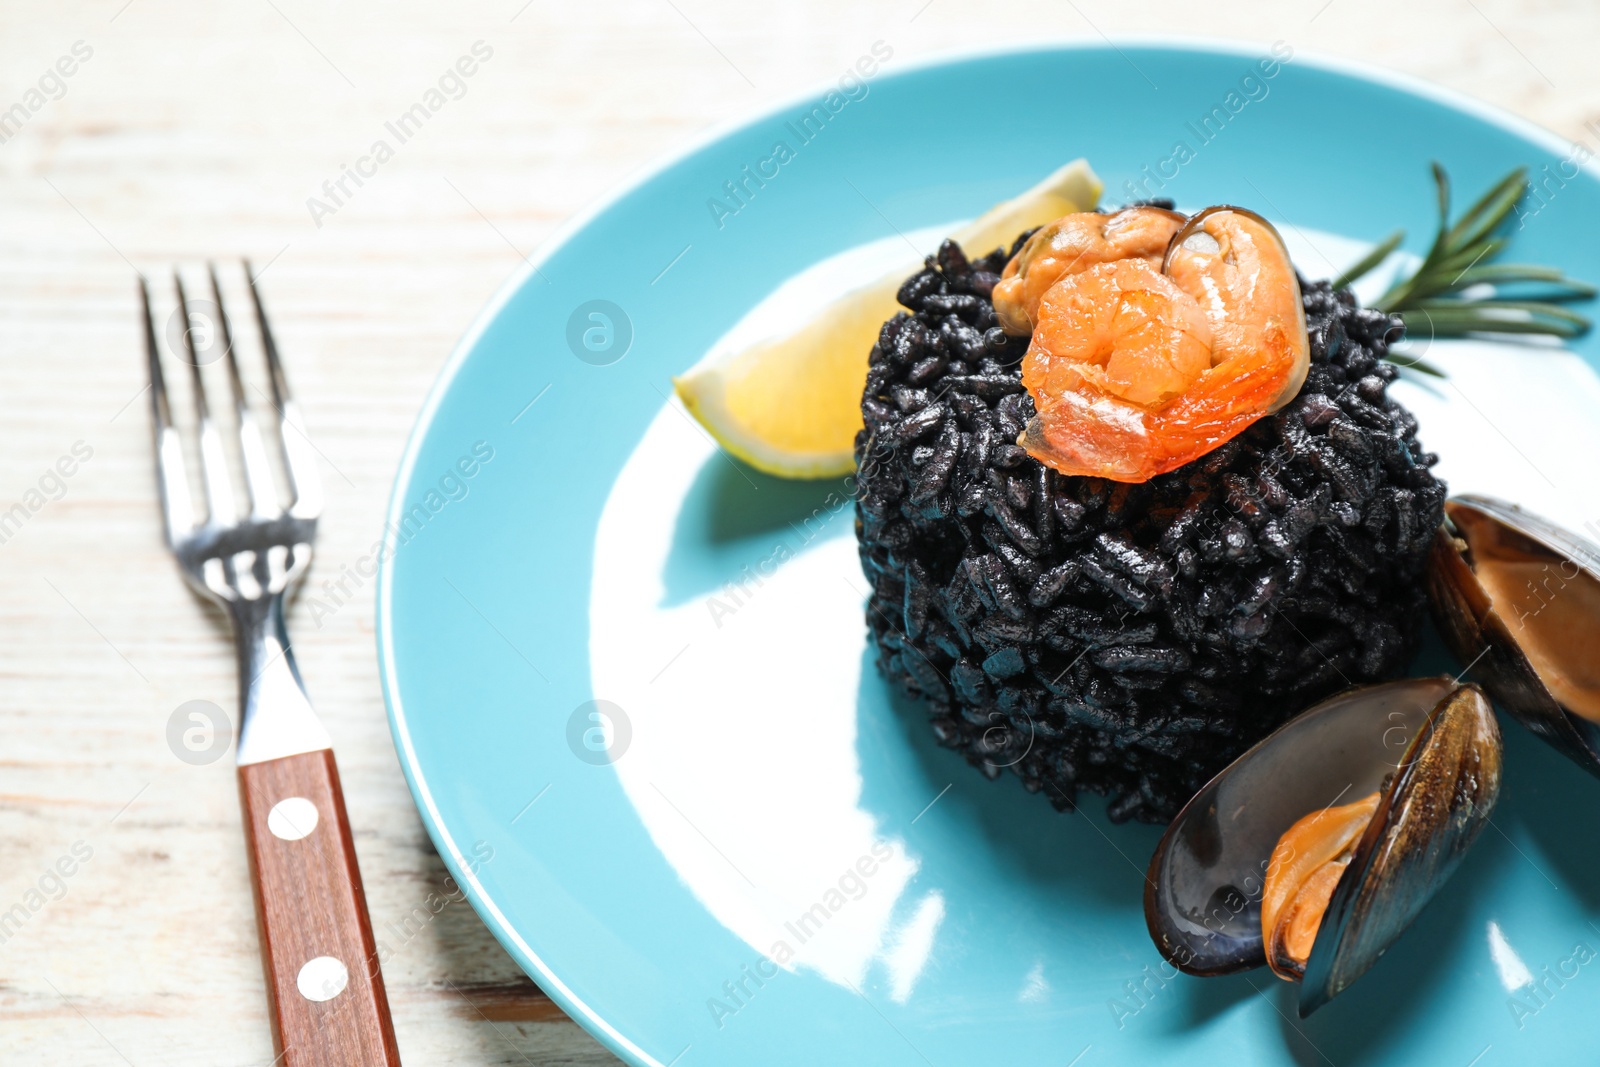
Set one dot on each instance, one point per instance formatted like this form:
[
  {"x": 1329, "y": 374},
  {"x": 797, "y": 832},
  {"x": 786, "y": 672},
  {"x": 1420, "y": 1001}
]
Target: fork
[{"x": 324, "y": 987}]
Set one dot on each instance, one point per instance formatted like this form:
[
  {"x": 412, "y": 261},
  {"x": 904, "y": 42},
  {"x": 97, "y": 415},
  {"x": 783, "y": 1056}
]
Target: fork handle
[{"x": 324, "y": 987}]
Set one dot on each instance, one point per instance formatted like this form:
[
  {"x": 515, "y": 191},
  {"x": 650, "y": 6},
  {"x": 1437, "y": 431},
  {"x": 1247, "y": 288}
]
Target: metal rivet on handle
[
  {"x": 292, "y": 818},
  {"x": 322, "y": 979}
]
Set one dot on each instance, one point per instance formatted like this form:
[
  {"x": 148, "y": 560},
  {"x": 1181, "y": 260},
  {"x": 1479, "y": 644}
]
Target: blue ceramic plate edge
[{"x": 452, "y": 855}]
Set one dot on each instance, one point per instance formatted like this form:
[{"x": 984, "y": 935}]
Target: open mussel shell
[
  {"x": 1428, "y": 747},
  {"x": 1441, "y": 798},
  {"x": 1494, "y": 642}
]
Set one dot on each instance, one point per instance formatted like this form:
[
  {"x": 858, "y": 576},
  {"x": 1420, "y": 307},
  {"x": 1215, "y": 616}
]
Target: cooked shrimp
[
  {"x": 1075, "y": 243},
  {"x": 1135, "y": 372}
]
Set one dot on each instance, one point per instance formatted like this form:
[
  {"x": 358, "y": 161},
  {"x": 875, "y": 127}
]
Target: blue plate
[{"x": 629, "y": 681}]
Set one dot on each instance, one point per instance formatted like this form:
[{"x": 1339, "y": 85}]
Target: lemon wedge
[{"x": 790, "y": 404}]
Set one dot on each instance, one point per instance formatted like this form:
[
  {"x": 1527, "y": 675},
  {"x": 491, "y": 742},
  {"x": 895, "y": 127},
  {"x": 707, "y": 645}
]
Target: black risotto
[{"x": 1130, "y": 640}]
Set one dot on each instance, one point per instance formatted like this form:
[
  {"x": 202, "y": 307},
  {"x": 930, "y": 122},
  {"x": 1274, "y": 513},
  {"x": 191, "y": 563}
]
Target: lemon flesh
[{"x": 790, "y": 405}]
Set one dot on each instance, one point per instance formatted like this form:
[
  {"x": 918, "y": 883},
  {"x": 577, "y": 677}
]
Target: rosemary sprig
[
  {"x": 1364, "y": 265},
  {"x": 1459, "y": 289}
]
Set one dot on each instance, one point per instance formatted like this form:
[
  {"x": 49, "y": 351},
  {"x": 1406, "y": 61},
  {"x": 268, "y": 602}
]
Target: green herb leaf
[
  {"x": 1366, "y": 263},
  {"x": 1441, "y": 181},
  {"x": 1406, "y": 361},
  {"x": 1460, "y": 258},
  {"x": 1456, "y": 318},
  {"x": 1489, "y": 212},
  {"x": 1554, "y": 284}
]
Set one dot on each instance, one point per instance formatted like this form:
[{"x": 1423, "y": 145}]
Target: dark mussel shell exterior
[
  {"x": 1425, "y": 822},
  {"x": 1203, "y": 893},
  {"x": 1481, "y": 637}
]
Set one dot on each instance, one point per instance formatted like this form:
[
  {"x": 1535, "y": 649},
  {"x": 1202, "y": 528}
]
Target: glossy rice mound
[{"x": 1130, "y": 640}]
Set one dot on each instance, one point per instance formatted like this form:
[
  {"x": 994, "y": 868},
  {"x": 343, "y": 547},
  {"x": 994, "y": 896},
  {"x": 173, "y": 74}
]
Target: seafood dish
[
  {"x": 1141, "y": 518},
  {"x": 1130, "y": 494}
]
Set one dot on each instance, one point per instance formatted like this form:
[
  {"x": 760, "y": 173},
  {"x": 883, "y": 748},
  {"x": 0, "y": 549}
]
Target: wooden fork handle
[{"x": 324, "y": 988}]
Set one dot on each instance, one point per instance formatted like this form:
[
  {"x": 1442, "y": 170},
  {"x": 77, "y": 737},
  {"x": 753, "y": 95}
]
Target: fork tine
[
  {"x": 177, "y": 508},
  {"x": 260, "y": 487},
  {"x": 299, "y": 459},
  {"x": 213, "y": 461}
]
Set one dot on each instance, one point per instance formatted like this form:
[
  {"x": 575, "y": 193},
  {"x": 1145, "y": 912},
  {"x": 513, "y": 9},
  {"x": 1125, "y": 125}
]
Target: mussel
[
  {"x": 1518, "y": 599},
  {"x": 1315, "y": 849}
]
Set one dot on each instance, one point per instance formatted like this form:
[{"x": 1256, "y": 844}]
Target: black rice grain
[{"x": 1130, "y": 640}]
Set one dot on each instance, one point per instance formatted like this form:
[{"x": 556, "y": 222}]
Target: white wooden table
[{"x": 187, "y": 131}]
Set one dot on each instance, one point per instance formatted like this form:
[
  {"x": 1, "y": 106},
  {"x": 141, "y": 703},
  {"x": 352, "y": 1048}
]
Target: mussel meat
[
  {"x": 1313, "y": 851},
  {"x": 1518, "y": 598}
]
